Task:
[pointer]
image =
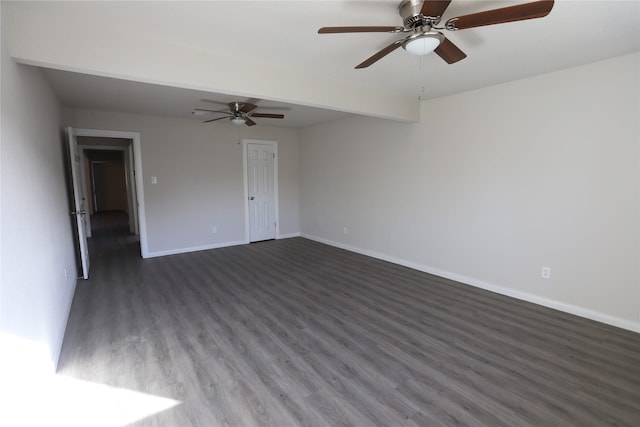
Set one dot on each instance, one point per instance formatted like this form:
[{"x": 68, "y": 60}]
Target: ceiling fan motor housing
[{"x": 409, "y": 10}]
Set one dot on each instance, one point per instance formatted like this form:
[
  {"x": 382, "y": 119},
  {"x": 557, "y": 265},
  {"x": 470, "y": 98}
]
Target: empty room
[{"x": 320, "y": 213}]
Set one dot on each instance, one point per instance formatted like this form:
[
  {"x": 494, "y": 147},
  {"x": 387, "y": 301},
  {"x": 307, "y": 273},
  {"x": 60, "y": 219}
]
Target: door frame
[
  {"x": 135, "y": 165},
  {"x": 245, "y": 162}
]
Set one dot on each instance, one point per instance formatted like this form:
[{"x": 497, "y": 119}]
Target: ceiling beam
[{"x": 34, "y": 38}]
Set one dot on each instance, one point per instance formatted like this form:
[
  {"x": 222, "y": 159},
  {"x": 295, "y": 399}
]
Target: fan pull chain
[{"x": 421, "y": 94}]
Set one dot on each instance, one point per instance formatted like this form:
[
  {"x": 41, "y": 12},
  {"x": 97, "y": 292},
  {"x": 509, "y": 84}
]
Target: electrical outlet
[
  {"x": 345, "y": 230},
  {"x": 214, "y": 229},
  {"x": 66, "y": 274},
  {"x": 546, "y": 272}
]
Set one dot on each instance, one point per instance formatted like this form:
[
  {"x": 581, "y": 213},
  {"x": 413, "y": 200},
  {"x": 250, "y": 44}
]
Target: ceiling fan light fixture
[
  {"x": 423, "y": 43},
  {"x": 237, "y": 121}
]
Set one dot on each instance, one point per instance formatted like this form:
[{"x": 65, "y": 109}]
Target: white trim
[
  {"x": 195, "y": 248},
  {"x": 245, "y": 177},
  {"x": 137, "y": 157},
  {"x": 288, "y": 235},
  {"x": 245, "y": 160},
  {"x": 57, "y": 350},
  {"x": 524, "y": 296}
]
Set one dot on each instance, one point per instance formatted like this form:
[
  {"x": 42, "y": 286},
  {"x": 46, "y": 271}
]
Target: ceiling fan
[
  {"x": 422, "y": 17},
  {"x": 240, "y": 113}
]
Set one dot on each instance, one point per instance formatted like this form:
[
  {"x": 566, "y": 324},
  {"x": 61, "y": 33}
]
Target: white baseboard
[
  {"x": 288, "y": 236},
  {"x": 56, "y": 348},
  {"x": 195, "y": 249},
  {"x": 524, "y": 296},
  {"x": 207, "y": 247}
]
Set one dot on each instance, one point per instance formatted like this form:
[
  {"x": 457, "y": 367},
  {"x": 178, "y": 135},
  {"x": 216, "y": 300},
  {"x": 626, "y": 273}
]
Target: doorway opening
[
  {"x": 108, "y": 185},
  {"x": 107, "y": 178}
]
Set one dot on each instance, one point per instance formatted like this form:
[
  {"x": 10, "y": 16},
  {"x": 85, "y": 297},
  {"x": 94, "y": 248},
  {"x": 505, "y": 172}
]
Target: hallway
[{"x": 109, "y": 223}]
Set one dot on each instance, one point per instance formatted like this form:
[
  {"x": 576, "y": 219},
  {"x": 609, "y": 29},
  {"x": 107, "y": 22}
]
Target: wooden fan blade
[
  {"x": 381, "y": 54},
  {"x": 536, "y": 9},
  {"x": 334, "y": 30},
  {"x": 434, "y": 8},
  {"x": 249, "y": 122},
  {"x": 449, "y": 52},
  {"x": 268, "y": 115},
  {"x": 213, "y": 120},
  {"x": 245, "y": 107}
]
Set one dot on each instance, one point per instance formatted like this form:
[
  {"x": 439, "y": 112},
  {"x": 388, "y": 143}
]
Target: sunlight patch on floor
[
  {"x": 59, "y": 401},
  {"x": 32, "y": 397}
]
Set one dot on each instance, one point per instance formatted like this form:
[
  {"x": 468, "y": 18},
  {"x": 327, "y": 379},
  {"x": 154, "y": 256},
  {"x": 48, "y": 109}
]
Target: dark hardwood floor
[
  {"x": 109, "y": 223},
  {"x": 295, "y": 333}
]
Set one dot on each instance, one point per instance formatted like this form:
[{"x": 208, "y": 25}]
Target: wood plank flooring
[
  {"x": 296, "y": 333},
  {"x": 109, "y": 223}
]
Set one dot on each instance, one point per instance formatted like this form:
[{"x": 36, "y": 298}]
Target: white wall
[
  {"x": 495, "y": 183},
  {"x": 200, "y": 177},
  {"x": 37, "y": 244}
]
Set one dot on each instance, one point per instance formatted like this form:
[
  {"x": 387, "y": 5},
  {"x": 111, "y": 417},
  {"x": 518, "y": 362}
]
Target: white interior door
[
  {"x": 131, "y": 190},
  {"x": 79, "y": 200},
  {"x": 261, "y": 191}
]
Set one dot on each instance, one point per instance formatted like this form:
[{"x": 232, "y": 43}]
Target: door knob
[
  {"x": 251, "y": 198},
  {"x": 79, "y": 213}
]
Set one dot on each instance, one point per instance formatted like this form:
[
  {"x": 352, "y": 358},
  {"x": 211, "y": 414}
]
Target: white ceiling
[
  {"x": 283, "y": 35},
  {"x": 104, "y": 93}
]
